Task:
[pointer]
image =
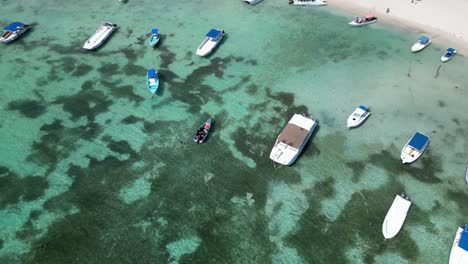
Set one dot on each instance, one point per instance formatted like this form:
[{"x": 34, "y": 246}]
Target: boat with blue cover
[
  {"x": 212, "y": 39},
  {"x": 448, "y": 54},
  {"x": 154, "y": 39},
  {"x": 421, "y": 44},
  {"x": 414, "y": 148},
  {"x": 13, "y": 31},
  {"x": 153, "y": 80},
  {"x": 459, "y": 252},
  {"x": 358, "y": 116}
]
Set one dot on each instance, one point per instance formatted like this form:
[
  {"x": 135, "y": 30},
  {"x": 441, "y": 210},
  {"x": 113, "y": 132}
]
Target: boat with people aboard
[
  {"x": 414, "y": 148},
  {"x": 308, "y": 2},
  {"x": 459, "y": 252},
  {"x": 252, "y": 2},
  {"x": 13, "y": 31},
  {"x": 421, "y": 44},
  {"x": 152, "y": 80},
  {"x": 448, "y": 55},
  {"x": 396, "y": 216},
  {"x": 358, "y": 117},
  {"x": 212, "y": 39},
  {"x": 292, "y": 139},
  {"x": 202, "y": 132},
  {"x": 363, "y": 20},
  {"x": 154, "y": 39},
  {"x": 100, "y": 36}
]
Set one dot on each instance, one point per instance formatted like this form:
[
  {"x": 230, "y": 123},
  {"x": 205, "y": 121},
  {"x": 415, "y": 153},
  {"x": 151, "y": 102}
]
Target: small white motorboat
[
  {"x": 466, "y": 174},
  {"x": 363, "y": 20},
  {"x": 100, "y": 36},
  {"x": 252, "y": 2},
  {"x": 421, "y": 44},
  {"x": 292, "y": 139},
  {"x": 358, "y": 116},
  {"x": 308, "y": 2},
  {"x": 448, "y": 54},
  {"x": 414, "y": 148},
  {"x": 212, "y": 39},
  {"x": 13, "y": 31},
  {"x": 459, "y": 252},
  {"x": 396, "y": 216}
]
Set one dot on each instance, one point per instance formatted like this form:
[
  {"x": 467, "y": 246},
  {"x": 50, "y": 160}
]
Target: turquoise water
[{"x": 93, "y": 170}]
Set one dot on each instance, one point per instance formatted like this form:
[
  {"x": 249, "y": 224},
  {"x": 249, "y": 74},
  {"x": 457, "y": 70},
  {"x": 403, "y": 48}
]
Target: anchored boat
[
  {"x": 212, "y": 39},
  {"x": 100, "y": 36},
  {"x": 396, "y": 216},
  {"x": 466, "y": 174},
  {"x": 363, "y": 20},
  {"x": 202, "y": 132},
  {"x": 459, "y": 252},
  {"x": 13, "y": 31},
  {"x": 308, "y": 2},
  {"x": 414, "y": 148},
  {"x": 448, "y": 55},
  {"x": 292, "y": 139},
  {"x": 358, "y": 116},
  {"x": 152, "y": 80},
  {"x": 252, "y": 2},
  {"x": 154, "y": 39},
  {"x": 421, "y": 44}
]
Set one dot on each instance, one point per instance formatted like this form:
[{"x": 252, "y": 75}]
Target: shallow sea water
[{"x": 93, "y": 170}]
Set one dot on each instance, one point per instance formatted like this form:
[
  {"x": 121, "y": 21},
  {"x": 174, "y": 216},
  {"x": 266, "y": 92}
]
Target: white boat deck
[
  {"x": 101, "y": 34},
  {"x": 458, "y": 255},
  {"x": 395, "y": 217}
]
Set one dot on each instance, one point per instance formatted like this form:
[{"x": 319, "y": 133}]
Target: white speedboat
[
  {"x": 459, "y": 252},
  {"x": 358, "y": 116},
  {"x": 363, "y": 20},
  {"x": 396, "y": 216},
  {"x": 421, "y": 44},
  {"x": 414, "y": 148},
  {"x": 308, "y": 2},
  {"x": 252, "y": 2},
  {"x": 100, "y": 36},
  {"x": 13, "y": 31},
  {"x": 448, "y": 54},
  {"x": 292, "y": 139},
  {"x": 212, "y": 39}
]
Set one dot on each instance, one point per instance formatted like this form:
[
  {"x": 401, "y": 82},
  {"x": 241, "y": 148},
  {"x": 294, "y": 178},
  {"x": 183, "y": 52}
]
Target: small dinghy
[
  {"x": 459, "y": 252},
  {"x": 363, "y": 20},
  {"x": 466, "y": 174},
  {"x": 421, "y": 44},
  {"x": 13, "y": 31},
  {"x": 212, "y": 39},
  {"x": 308, "y": 2},
  {"x": 153, "y": 80},
  {"x": 396, "y": 216},
  {"x": 154, "y": 39},
  {"x": 358, "y": 116},
  {"x": 252, "y": 2},
  {"x": 202, "y": 132},
  {"x": 414, "y": 148},
  {"x": 448, "y": 55}
]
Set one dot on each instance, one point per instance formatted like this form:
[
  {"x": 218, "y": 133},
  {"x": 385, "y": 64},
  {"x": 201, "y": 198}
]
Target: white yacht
[
  {"x": 292, "y": 139},
  {"x": 396, "y": 216},
  {"x": 358, "y": 116},
  {"x": 308, "y": 2},
  {"x": 13, "y": 31},
  {"x": 212, "y": 39},
  {"x": 100, "y": 36},
  {"x": 252, "y": 2},
  {"x": 414, "y": 148},
  {"x": 459, "y": 252}
]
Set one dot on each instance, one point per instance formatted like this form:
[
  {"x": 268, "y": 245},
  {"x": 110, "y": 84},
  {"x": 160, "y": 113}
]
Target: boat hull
[
  {"x": 418, "y": 46},
  {"x": 252, "y": 2},
  {"x": 457, "y": 254},
  {"x": 395, "y": 217},
  {"x": 206, "y": 128},
  {"x": 207, "y": 46},
  {"x": 154, "y": 40},
  {"x": 309, "y": 3},
  {"x": 100, "y": 36},
  {"x": 410, "y": 154},
  {"x": 355, "y": 24},
  {"x": 466, "y": 174},
  {"x": 13, "y": 35},
  {"x": 355, "y": 119},
  {"x": 152, "y": 87}
]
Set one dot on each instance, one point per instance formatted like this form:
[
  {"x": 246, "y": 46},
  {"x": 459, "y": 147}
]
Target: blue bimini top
[
  {"x": 154, "y": 31},
  {"x": 364, "y": 108},
  {"x": 152, "y": 73},
  {"x": 464, "y": 239},
  {"x": 13, "y": 26},
  {"x": 451, "y": 50},
  {"x": 418, "y": 141},
  {"x": 214, "y": 33},
  {"x": 423, "y": 39}
]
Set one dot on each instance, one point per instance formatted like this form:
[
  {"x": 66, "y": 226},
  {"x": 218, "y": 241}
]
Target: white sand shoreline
[{"x": 445, "y": 22}]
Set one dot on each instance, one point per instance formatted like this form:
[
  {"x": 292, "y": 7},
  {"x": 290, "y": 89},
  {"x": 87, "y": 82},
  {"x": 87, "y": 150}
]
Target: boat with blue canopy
[
  {"x": 448, "y": 55},
  {"x": 13, "y": 31},
  {"x": 358, "y": 116},
  {"x": 421, "y": 44},
  {"x": 212, "y": 39},
  {"x": 154, "y": 39},
  {"x": 414, "y": 148},
  {"x": 459, "y": 252},
  {"x": 152, "y": 81}
]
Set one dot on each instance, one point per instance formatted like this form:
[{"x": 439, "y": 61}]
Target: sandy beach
[{"x": 443, "y": 21}]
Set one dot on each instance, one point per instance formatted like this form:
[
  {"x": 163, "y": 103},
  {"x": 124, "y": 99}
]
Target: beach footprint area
[{"x": 95, "y": 170}]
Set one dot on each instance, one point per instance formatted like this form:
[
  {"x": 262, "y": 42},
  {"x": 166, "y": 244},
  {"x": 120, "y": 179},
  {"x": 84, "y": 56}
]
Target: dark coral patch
[
  {"x": 28, "y": 108},
  {"x": 108, "y": 69},
  {"x": 357, "y": 167},
  {"x": 131, "y": 119},
  {"x": 124, "y": 91},
  {"x": 14, "y": 188}
]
